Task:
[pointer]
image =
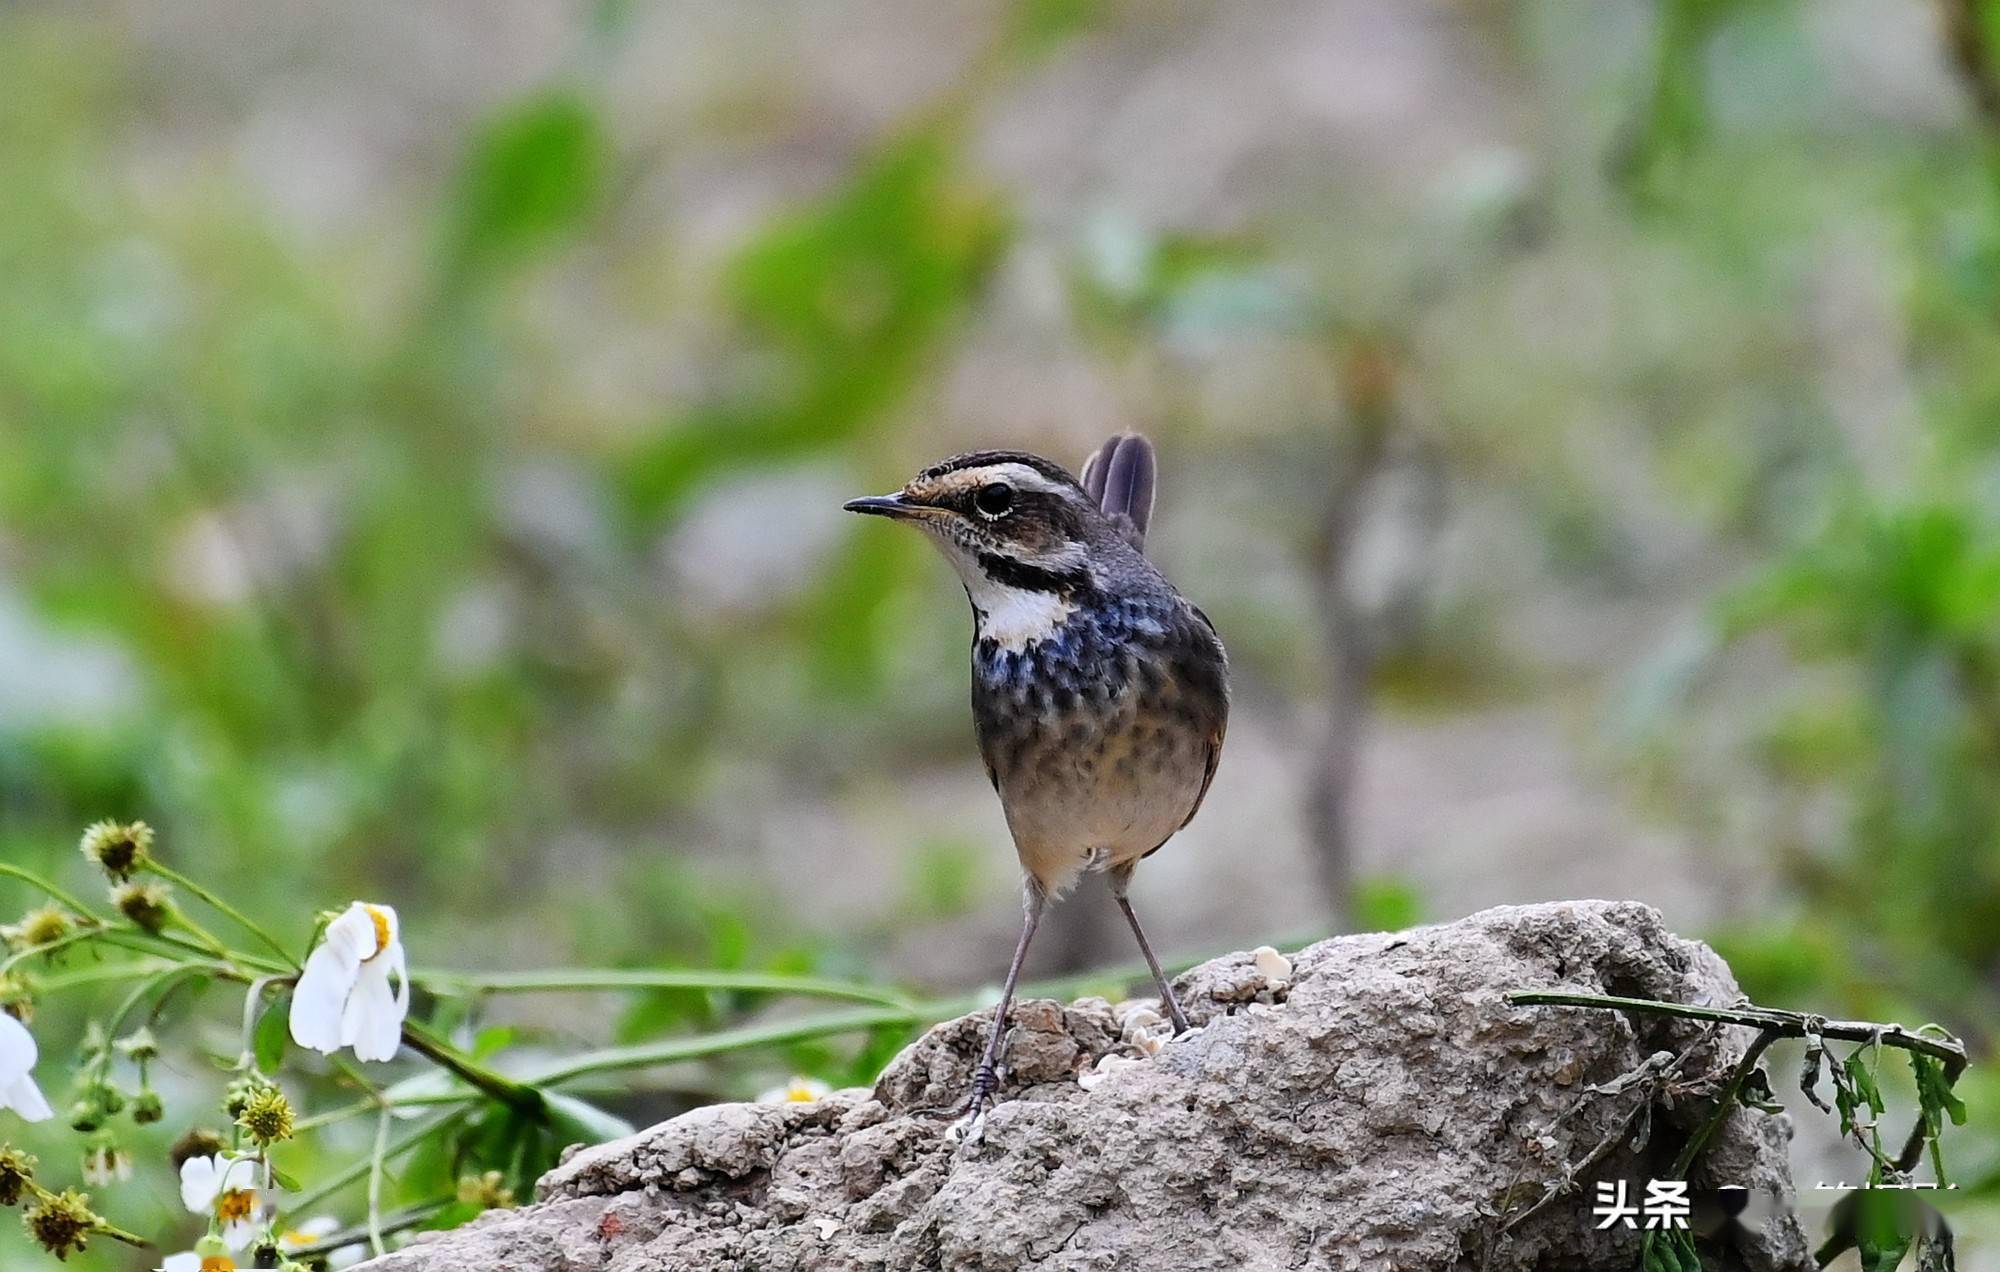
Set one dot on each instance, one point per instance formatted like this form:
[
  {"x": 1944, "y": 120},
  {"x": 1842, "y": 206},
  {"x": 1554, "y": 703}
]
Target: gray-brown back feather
[{"x": 1121, "y": 477}]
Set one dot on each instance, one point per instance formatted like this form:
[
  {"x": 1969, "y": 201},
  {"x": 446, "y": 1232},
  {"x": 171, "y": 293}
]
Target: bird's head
[{"x": 1027, "y": 540}]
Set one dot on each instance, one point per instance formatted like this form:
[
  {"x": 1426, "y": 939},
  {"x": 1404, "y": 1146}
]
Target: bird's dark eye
[{"x": 994, "y": 500}]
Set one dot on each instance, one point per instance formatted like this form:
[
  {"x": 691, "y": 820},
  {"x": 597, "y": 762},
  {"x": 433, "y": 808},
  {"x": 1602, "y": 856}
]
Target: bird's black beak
[{"x": 894, "y": 505}]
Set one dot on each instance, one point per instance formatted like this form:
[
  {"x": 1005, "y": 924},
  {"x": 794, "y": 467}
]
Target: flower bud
[
  {"x": 267, "y": 1117},
  {"x": 105, "y": 1163},
  {"x": 236, "y": 1097},
  {"x": 121, "y": 851},
  {"x": 488, "y": 1191},
  {"x": 139, "y": 1045},
  {"x": 147, "y": 1107}
]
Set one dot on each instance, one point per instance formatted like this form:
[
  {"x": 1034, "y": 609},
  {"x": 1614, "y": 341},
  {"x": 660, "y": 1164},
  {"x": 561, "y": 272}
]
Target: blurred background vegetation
[{"x": 423, "y": 429}]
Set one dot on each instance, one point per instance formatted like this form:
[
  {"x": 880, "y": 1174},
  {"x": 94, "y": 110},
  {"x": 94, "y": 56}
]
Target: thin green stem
[
  {"x": 671, "y": 1051},
  {"x": 204, "y": 938},
  {"x": 401, "y": 1221},
  {"x": 103, "y": 973},
  {"x": 34, "y": 880},
  {"x": 344, "y": 1112},
  {"x": 1786, "y": 1024},
  {"x": 1724, "y": 1104},
  {"x": 305, "y": 1202},
  {"x": 375, "y": 1164},
  {"x": 241, "y": 919},
  {"x": 234, "y": 964},
  {"x": 589, "y": 980},
  {"x": 139, "y": 992},
  {"x": 504, "y": 1089},
  {"x": 50, "y": 947}
]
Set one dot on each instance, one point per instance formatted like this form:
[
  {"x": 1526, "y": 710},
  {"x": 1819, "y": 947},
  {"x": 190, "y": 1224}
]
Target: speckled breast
[{"x": 1099, "y": 737}]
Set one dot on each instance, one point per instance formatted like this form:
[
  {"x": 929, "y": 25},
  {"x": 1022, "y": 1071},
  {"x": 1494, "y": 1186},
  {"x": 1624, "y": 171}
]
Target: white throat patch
[
  {"x": 1015, "y": 618},
  {"x": 1012, "y": 617}
]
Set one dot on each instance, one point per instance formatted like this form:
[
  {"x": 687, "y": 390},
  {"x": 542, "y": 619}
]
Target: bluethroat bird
[{"x": 1099, "y": 694}]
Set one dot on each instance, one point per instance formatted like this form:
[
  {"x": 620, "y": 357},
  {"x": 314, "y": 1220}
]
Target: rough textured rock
[{"x": 1374, "y": 1110}]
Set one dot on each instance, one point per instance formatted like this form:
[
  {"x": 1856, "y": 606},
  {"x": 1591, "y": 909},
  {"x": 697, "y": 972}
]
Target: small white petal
[
  {"x": 204, "y": 1179},
  {"x": 240, "y": 1234},
  {"x": 321, "y": 995},
  {"x": 18, "y": 1055},
  {"x": 373, "y": 1020},
  {"x": 1273, "y": 966},
  {"x": 201, "y": 1183},
  {"x": 25, "y": 1098},
  {"x": 18, "y": 1052},
  {"x": 310, "y": 1231},
  {"x": 182, "y": 1263}
]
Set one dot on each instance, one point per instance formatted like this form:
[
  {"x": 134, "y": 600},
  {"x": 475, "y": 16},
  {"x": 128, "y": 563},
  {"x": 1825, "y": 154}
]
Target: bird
[{"x": 1100, "y": 695}]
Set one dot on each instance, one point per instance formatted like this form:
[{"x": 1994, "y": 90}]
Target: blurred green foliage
[{"x": 275, "y": 480}]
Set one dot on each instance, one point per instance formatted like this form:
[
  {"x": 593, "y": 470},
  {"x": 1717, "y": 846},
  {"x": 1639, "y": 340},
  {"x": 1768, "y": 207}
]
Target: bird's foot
[{"x": 970, "y": 1128}]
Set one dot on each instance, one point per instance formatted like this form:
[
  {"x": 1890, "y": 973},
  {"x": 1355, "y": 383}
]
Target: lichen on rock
[{"x": 1379, "y": 1106}]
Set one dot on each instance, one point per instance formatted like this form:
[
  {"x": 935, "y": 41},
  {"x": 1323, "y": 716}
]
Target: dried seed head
[
  {"x": 61, "y": 1223},
  {"x": 17, "y": 997},
  {"x": 198, "y": 1141},
  {"x": 17, "y": 1171},
  {"x": 121, "y": 850},
  {"x": 148, "y": 905},
  {"x": 37, "y": 928}
]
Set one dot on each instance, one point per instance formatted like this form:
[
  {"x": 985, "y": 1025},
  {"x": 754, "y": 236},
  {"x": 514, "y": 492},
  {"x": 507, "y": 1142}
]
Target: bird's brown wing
[{"x": 1208, "y": 776}]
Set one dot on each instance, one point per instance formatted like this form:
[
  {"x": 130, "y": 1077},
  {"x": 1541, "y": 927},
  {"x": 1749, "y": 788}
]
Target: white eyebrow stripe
[{"x": 1020, "y": 476}]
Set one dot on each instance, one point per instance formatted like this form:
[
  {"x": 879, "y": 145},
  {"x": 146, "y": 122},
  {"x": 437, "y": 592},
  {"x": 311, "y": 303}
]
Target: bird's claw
[{"x": 970, "y": 1128}]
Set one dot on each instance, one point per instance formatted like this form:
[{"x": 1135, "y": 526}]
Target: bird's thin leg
[
  {"x": 986, "y": 1078},
  {"x": 1120, "y": 880}
]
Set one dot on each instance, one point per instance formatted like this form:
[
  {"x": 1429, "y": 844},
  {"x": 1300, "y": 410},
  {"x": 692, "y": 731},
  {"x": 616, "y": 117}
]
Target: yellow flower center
[
  {"x": 800, "y": 1093},
  {"x": 382, "y": 930},
  {"x": 237, "y": 1203},
  {"x": 218, "y": 1263}
]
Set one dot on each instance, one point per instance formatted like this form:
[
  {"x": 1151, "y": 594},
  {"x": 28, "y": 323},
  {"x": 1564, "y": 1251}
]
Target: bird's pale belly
[{"x": 1100, "y": 793}]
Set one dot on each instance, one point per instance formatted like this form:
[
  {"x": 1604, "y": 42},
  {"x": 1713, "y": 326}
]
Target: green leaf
[
  {"x": 1864, "y": 1081},
  {"x": 1933, "y": 1090},
  {"x": 273, "y": 1034},
  {"x": 493, "y": 1039},
  {"x": 533, "y": 175},
  {"x": 283, "y": 1180},
  {"x": 582, "y": 1122}
]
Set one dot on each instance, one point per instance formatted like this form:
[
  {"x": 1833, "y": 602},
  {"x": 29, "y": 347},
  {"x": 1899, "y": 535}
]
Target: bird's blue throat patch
[{"x": 1090, "y": 653}]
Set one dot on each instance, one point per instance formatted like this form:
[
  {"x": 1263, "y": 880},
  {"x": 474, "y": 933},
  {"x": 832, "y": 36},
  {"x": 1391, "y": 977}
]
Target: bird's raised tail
[{"x": 1120, "y": 477}]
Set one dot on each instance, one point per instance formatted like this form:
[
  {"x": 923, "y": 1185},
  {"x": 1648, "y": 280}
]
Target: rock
[{"x": 1375, "y": 1107}]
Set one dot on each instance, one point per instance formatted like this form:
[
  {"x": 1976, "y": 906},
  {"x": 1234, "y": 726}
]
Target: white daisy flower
[
  {"x": 799, "y": 1090},
  {"x": 18, "y": 1054},
  {"x": 224, "y": 1186},
  {"x": 208, "y": 1255},
  {"x": 355, "y": 990}
]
